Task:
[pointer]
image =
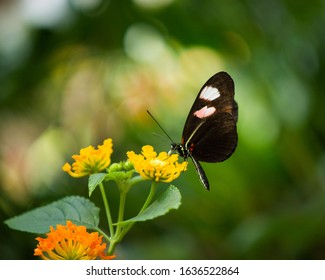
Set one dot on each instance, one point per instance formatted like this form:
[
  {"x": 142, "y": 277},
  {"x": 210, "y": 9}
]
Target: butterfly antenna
[
  {"x": 160, "y": 126},
  {"x": 161, "y": 136}
]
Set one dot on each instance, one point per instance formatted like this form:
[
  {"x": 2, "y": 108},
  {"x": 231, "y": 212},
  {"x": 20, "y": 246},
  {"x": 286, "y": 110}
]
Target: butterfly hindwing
[{"x": 215, "y": 140}]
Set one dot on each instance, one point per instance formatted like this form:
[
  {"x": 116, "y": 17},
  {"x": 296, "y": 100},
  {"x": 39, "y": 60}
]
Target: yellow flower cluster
[
  {"x": 90, "y": 160},
  {"x": 71, "y": 242},
  {"x": 159, "y": 168}
]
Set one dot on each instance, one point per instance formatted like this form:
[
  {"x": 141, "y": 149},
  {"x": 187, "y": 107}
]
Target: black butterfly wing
[
  {"x": 215, "y": 140},
  {"x": 210, "y": 132}
]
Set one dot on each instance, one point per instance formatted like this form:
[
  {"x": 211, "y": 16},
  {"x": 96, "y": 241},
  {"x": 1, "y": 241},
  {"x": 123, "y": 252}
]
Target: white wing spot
[
  {"x": 209, "y": 93},
  {"x": 204, "y": 112}
]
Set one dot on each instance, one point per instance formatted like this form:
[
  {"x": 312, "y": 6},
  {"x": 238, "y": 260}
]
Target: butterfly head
[{"x": 180, "y": 150}]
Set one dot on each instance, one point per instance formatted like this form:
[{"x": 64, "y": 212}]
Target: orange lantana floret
[{"x": 71, "y": 242}]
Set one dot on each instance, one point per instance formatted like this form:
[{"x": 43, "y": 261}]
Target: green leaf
[
  {"x": 94, "y": 181},
  {"x": 78, "y": 210},
  {"x": 170, "y": 199}
]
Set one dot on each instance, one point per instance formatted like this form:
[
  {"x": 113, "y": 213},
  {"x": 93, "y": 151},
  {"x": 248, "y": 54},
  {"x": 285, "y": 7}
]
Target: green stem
[
  {"x": 150, "y": 196},
  {"x": 104, "y": 234},
  {"x": 145, "y": 205},
  {"x": 107, "y": 210},
  {"x": 117, "y": 236},
  {"x": 122, "y": 230},
  {"x": 121, "y": 212},
  {"x": 135, "y": 180}
]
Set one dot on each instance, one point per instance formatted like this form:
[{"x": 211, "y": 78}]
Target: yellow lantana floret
[
  {"x": 71, "y": 242},
  {"x": 90, "y": 160},
  {"x": 160, "y": 168}
]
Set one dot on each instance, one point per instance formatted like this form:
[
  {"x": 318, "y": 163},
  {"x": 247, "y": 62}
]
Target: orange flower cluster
[{"x": 71, "y": 242}]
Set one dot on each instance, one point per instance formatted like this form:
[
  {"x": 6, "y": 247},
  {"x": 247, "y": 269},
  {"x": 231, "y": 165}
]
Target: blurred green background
[{"x": 73, "y": 73}]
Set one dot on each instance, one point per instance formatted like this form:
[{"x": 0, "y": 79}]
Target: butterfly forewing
[{"x": 216, "y": 95}]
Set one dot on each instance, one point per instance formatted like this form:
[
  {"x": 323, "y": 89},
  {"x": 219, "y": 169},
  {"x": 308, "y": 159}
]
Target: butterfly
[{"x": 210, "y": 131}]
